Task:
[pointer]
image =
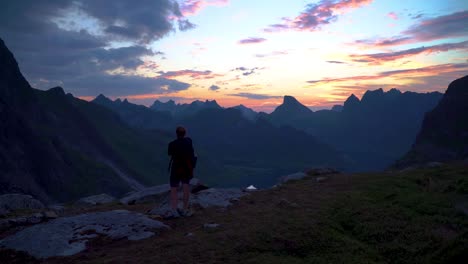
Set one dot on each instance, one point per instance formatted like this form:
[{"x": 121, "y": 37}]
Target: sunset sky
[{"x": 250, "y": 52}]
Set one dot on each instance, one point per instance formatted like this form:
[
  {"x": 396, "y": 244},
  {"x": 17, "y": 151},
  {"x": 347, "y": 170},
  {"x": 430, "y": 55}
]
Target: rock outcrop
[
  {"x": 69, "y": 235},
  {"x": 444, "y": 133},
  {"x": 153, "y": 194}
]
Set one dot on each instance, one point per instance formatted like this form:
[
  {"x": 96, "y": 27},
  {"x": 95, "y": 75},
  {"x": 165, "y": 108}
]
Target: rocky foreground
[{"x": 410, "y": 216}]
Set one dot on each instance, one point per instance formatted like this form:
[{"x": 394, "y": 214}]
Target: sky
[{"x": 250, "y": 52}]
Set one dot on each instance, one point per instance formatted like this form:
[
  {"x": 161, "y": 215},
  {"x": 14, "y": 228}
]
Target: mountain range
[
  {"x": 58, "y": 148},
  {"x": 372, "y": 132},
  {"x": 235, "y": 141}
]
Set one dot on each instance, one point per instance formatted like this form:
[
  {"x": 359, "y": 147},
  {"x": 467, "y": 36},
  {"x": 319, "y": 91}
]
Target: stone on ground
[
  {"x": 203, "y": 199},
  {"x": 96, "y": 200},
  {"x": 68, "y": 235}
]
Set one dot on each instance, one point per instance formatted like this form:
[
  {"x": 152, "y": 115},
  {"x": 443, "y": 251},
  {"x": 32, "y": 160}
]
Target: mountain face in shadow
[
  {"x": 444, "y": 132},
  {"x": 137, "y": 116},
  {"x": 247, "y": 112},
  {"x": 373, "y": 132},
  {"x": 256, "y": 152},
  {"x": 58, "y": 148}
]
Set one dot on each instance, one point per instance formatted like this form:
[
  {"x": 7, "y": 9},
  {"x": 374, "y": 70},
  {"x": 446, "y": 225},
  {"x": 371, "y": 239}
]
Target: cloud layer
[
  {"x": 441, "y": 27},
  {"x": 252, "y": 40},
  {"x": 318, "y": 14},
  {"x": 79, "y": 55},
  {"x": 380, "y": 58}
]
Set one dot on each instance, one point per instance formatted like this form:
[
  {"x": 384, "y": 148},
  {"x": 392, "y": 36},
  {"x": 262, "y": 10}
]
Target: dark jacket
[{"x": 182, "y": 156}]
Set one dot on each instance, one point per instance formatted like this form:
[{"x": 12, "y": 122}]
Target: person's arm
[{"x": 170, "y": 149}]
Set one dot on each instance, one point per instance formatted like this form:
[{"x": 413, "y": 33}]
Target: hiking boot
[
  {"x": 172, "y": 214},
  {"x": 185, "y": 212}
]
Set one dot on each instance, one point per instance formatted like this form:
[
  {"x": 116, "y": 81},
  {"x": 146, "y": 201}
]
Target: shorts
[{"x": 179, "y": 175}]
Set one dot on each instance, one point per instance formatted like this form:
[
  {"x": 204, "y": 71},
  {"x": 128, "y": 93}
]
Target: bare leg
[
  {"x": 186, "y": 195},
  {"x": 174, "y": 198}
]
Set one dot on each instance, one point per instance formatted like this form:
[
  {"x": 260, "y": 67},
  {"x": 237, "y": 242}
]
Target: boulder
[
  {"x": 96, "y": 200},
  {"x": 17, "y": 201},
  {"x": 204, "y": 199},
  {"x": 152, "y": 194},
  {"x": 321, "y": 171},
  {"x": 290, "y": 177},
  {"x": 216, "y": 197},
  {"x": 68, "y": 235}
]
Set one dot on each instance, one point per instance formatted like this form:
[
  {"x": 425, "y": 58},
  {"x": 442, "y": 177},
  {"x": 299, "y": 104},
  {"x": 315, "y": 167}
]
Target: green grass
[{"x": 383, "y": 217}]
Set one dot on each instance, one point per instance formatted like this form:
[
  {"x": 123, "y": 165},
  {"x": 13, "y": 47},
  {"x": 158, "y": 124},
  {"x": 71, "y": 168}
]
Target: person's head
[{"x": 180, "y": 132}]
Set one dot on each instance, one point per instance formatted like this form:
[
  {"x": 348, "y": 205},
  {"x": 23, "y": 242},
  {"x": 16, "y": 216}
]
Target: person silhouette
[{"x": 181, "y": 171}]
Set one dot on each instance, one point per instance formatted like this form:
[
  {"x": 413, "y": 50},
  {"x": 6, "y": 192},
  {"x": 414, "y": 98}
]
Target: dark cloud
[
  {"x": 117, "y": 85},
  {"x": 252, "y": 41},
  {"x": 214, "y": 87},
  {"x": 379, "y": 58},
  {"x": 317, "y": 14},
  {"x": 256, "y": 96},
  {"x": 336, "y": 62},
  {"x": 246, "y": 71},
  {"x": 50, "y": 54},
  {"x": 143, "y": 21},
  {"x": 185, "y": 25},
  {"x": 441, "y": 27}
]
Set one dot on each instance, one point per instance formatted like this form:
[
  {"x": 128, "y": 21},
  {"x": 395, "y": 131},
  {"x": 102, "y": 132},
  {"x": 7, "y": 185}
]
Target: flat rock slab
[
  {"x": 207, "y": 198},
  {"x": 290, "y": 177},
  {"x": 68, "y": 235},
  {"x": 151, "y": 194},
  {"x": 96, "y": 200},
  {"x": 217, "y": 197}
]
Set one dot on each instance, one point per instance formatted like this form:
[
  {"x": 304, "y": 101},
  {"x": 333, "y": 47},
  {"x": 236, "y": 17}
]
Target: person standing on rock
[{"x": 182, "y": 164}]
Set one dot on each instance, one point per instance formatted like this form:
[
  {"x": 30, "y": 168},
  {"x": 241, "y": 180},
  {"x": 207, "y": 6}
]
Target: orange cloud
[{"x": 424, "y": 71}]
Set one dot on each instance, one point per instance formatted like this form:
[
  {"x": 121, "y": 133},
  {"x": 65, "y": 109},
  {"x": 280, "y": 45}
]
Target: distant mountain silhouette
[
  {"x": 289, "y": 110},
  {"x": 246, "y": 112},
  {"x": 444, "y": 132},
  {"x": 373, "y": 131},
  {"x": 57, "y": 147},
  {"x": 183, "y": 110},
  {"x": 256, "y": 152},
  {"x": 137, "y": 116}
]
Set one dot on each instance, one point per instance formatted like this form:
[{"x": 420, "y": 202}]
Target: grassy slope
[
  {"x": 144, "y": 153},
  {"x": 407, "y": 217}
]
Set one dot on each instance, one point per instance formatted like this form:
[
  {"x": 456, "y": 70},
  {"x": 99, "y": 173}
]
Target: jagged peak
[
  {"x": 288, "y": 99},
  {"x": 11, "y": 78},
  {"x": 394, "y": 91},
  {"x": 101, "y": 99},
  {"x": 352, "y": 98},
  {"x": 56, "y": 90}
]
